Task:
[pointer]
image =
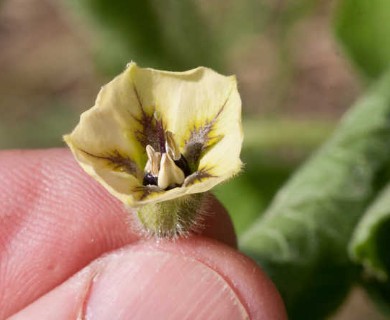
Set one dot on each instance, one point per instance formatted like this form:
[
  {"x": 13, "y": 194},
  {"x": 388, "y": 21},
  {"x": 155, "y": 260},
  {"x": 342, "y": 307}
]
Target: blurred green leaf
[
  {"x": 169, "y": 35},
  {"x": 272, "y": 149},
  {"x": 369, "y": 245},
  {"x": 370, "y": 248},
  {"x": 131, "y": 28},
  {"x": 302, "y": 239},
  {"x": 363, "y": 26}
]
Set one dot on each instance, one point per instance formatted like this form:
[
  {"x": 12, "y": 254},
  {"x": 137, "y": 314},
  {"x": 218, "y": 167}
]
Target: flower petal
[
  {"x": 116, "y": 177},
  {"x": 201, "y": 107},
  {"x": 104, "y": 141},
  {"x": 223, "y": 158}
]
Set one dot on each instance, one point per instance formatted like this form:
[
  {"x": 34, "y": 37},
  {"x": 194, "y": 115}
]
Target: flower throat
[{"x": 168, "y": 168}]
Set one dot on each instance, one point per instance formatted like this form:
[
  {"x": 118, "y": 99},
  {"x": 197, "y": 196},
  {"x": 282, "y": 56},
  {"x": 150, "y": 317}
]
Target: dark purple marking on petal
[
  {"x": 201, "y": 140},
  {"x": 145, "y": 191},
  {"x": 160, "y": 135},
  {"x": 198, "y": 176},
  {"x": 152, "y": 130},
  {"x": 117, "y": 161}
]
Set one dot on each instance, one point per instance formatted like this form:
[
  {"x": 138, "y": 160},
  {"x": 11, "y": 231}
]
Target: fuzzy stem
[{"x": 173, "y": 217}]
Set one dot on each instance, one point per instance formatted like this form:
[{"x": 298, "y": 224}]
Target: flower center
[{"x": 167, "y": 169}]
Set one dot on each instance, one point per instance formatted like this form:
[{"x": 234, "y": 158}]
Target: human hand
[{"x": 68, "y": 250}]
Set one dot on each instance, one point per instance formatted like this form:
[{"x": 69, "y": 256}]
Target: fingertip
[
  {"x": 55, "y": 220},
  {"x": 195, "y": 278},
  {"x": 251, "y": 285},
  {"x": 71, "y": 214}
]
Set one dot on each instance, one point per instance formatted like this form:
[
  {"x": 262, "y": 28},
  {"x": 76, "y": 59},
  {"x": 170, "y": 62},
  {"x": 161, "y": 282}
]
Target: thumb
[{"x": 194, "y": 278}]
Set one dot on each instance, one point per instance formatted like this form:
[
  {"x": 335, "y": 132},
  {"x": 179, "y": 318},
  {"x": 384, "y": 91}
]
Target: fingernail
[{"x": 160, "y": 285}]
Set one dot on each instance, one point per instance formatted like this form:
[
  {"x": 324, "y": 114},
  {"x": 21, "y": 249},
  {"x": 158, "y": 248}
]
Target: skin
[{"x": 69, "y": 250}]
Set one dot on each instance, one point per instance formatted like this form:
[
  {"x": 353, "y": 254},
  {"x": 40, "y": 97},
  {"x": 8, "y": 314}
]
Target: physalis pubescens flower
[{"x": 158, "y": 140}]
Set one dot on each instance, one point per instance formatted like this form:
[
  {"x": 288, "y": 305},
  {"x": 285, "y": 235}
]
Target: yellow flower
[{"x": 157, "y": 139}]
